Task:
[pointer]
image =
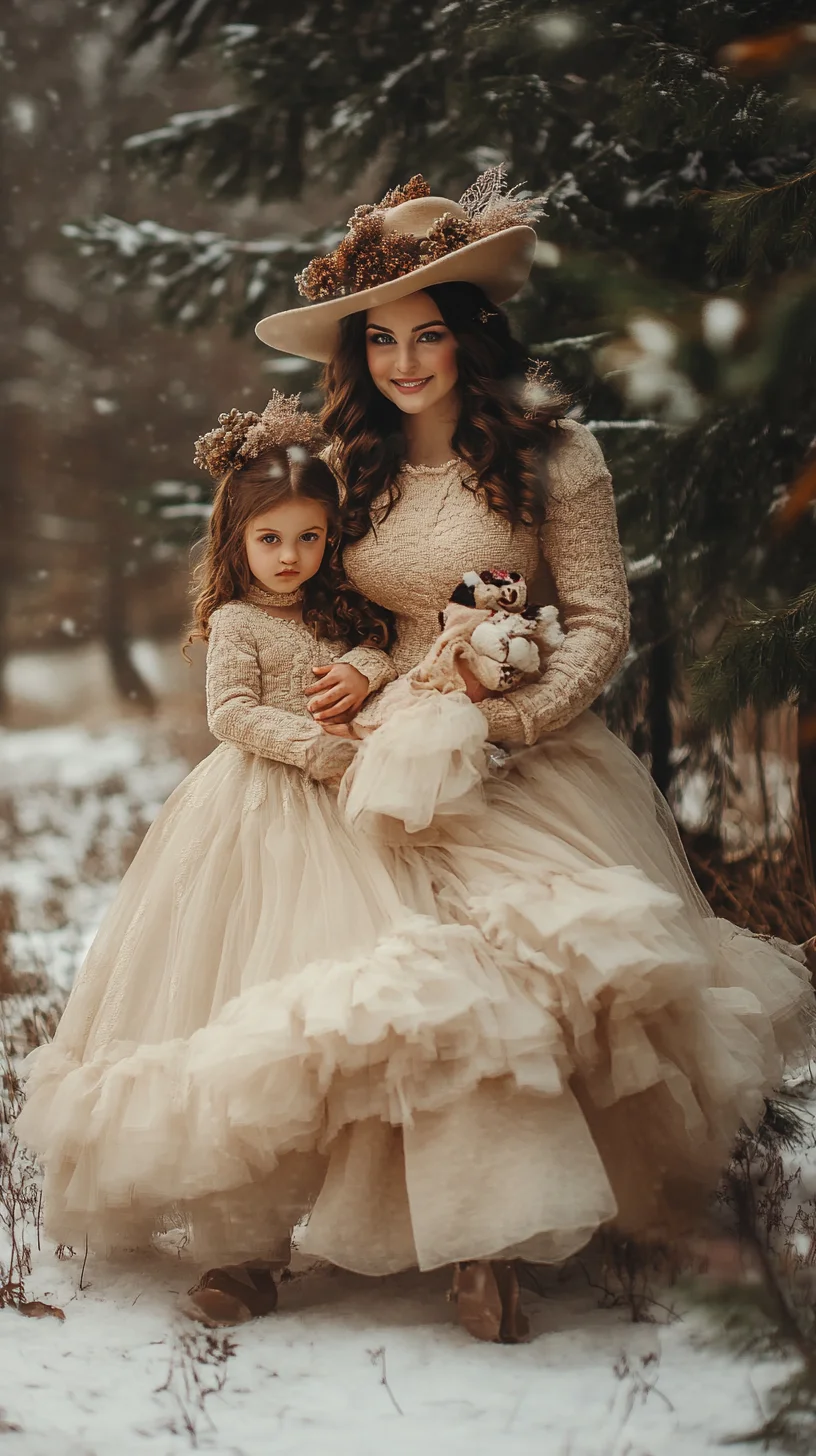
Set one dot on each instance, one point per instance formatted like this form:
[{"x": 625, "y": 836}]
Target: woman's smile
[{"x": 412, "y": 384}]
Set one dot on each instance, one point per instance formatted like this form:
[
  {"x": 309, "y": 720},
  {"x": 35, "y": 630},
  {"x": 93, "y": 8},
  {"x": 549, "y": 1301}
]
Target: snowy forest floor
[{"x": 348, "y": 1365}]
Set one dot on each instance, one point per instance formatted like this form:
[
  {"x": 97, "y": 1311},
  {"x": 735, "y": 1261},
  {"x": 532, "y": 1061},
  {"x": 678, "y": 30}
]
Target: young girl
[{"x": 246, "y": 877}]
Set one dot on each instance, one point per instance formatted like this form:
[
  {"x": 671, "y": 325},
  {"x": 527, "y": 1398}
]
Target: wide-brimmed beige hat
[{"x": 403, "y": 244}]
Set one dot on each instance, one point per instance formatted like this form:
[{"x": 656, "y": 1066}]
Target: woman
[{"x": 634, "y": 1032}]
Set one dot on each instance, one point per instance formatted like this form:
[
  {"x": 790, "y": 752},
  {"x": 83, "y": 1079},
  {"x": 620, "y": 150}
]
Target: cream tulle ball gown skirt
[{"x": 490, "y": 1037}]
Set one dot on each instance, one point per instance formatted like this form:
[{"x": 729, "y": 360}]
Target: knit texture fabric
[
  {"x": 258, "y": 668},
  {"x": 438, "y": 529}
]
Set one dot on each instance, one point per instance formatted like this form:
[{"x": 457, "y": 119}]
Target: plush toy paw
[
  {"x": 523, "y": 655},
  {"x": 547, "y": 628},
  {"x": 507, "y": 638}
]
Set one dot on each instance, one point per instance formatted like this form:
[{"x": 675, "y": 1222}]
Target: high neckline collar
[
  {"x": 455, "y": 463},
  {"x": 260, "y": 597}
]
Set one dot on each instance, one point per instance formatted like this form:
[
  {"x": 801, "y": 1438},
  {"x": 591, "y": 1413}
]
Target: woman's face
[
  {"x": 411, "y": 353},
  {"x": 285, "y": 544}
]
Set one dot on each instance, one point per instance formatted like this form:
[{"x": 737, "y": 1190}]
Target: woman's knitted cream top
[
  {"x": 258, "y": 668},
  {"x": 413, "y": 558}
]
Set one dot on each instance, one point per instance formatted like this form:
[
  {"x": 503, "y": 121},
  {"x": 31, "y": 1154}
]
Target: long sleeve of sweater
[
  {"x": 580, "y": 542},
  {"x": 374, "y": 664},
  {"x": 235, "y": 711}
]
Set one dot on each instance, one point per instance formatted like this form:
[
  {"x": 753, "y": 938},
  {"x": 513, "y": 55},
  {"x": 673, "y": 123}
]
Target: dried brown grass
[
  {"x": 20, "y": 1191},
  {"x": 769, "y": 894},
  {"x": 14, "y": 982}
]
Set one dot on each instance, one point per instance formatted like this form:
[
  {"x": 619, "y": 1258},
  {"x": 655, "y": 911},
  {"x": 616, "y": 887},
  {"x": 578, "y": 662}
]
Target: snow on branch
[
  {"x": 580, "y": 341},
  {"x": 193, "y": 275},
  {"x": 596, "y": 425},
  {"x": 183, "y": 127}
]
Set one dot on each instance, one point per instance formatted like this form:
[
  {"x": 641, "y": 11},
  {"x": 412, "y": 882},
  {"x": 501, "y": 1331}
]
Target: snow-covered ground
[
  {"x": 73, "y": 807},
  {"x": 348, "y": 1365},
  {"x": 357, "y": 1367}
]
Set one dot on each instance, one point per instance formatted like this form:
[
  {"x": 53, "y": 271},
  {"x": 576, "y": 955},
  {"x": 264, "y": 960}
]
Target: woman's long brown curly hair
[
  {"x": 330, "y": 604},
  {"x": 504, "y": 444}
]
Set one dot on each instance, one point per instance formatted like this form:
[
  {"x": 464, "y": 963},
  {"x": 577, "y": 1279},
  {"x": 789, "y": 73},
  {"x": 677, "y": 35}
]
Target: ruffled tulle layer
[
  {"x": 496, "y": 1040},
  {"x": 426, "y": 762}
]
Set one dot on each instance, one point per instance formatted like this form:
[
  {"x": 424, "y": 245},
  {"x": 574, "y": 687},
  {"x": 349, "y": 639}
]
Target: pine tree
[{"x": 675, "y": 289}]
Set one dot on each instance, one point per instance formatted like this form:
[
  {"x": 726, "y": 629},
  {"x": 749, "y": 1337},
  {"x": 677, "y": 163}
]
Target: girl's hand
[
  {"x": 341, "y": 692},
  {"x": 474, "y": 689}
]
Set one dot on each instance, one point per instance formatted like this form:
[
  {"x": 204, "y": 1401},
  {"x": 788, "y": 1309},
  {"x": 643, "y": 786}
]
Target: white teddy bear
[
  {"x": 514, "y": 634},
  {"x": 497, "y": 635}
]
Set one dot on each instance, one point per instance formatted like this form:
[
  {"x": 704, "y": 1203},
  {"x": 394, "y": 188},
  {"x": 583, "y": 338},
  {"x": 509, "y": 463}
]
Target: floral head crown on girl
[
  {"x": 241, "y": 436},
  {"x": 370, "y": 254}
]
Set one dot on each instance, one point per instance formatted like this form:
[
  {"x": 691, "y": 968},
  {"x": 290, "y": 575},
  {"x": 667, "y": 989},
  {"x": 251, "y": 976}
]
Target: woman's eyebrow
[{"x": 381, "y": 329}]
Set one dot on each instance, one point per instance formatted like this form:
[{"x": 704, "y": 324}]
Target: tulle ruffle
[
  {"x": 426, "y": 762},
  {"x": 496, "y": 1041}
]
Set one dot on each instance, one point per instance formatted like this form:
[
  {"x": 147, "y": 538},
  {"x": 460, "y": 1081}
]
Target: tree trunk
[
  {"x": 661, "y": 683},
  {"x": 8, "y": 543},
  {"x": 806, "y": 747},
  {"x": 115, "y": 625}
]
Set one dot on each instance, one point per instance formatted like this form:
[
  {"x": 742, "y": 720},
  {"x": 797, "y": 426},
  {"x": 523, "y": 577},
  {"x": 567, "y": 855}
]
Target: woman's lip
[{"x": 412, "y": 383}]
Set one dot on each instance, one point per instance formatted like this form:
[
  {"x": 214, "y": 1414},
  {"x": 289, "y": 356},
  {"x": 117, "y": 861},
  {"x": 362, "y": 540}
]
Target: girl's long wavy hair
[
  {"x": 505, "y": 446},
  {"x": 330, "y": 603}
]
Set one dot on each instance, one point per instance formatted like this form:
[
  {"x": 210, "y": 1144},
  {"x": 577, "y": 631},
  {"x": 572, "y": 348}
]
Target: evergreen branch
[
  {"x": 579, "y": 342},
  {"x": 596, "y": 425},
  {"x": 195, "y": 276},
  {"x": 754, "y": 224},
  {"x": 761, "y": 661}
]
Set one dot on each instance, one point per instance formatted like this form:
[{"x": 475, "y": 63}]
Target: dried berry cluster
[
  {"x": 220, "y": 449},
  {"x": 416, "y": 187},
  {"x": 242, "y": 436},
  {"x": 448, "y": 234},
  {"x": 367, "y": 256}
]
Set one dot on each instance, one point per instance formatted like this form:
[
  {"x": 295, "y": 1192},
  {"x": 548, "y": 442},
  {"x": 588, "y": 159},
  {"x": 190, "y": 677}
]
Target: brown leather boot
[
  {"x": 487, "y": 1301},
  {"x": 232, "y": 1295},
  {"x": 515, "y": 1326}
]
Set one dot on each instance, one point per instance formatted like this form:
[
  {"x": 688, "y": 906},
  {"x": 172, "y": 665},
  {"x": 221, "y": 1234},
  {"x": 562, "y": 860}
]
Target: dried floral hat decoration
[
  {"x": 240, "y": 437},
  {"x": 402, "y": 245}
]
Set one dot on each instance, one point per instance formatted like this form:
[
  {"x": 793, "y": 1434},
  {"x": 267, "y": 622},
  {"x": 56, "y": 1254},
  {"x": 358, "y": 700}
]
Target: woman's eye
[
  {"x": 381, "y": 338},
  {"x": 430, "y": 337}
]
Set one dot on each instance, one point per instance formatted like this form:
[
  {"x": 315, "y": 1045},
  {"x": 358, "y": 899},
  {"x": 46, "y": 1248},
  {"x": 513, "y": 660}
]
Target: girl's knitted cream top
[
  {"x": 414, "y": 557},
  {"x": 258, "y": 668}
]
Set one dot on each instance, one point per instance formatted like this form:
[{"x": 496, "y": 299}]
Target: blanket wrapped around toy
[{"x": 424, "y": 753}]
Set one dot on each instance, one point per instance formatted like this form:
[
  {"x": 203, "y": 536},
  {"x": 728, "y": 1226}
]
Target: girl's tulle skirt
[{"x": 490, "y": 1036}]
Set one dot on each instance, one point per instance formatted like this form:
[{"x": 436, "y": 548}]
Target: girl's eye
[
  {"x": 268, "y": 540},
  {"x": 310, "y": 536}
]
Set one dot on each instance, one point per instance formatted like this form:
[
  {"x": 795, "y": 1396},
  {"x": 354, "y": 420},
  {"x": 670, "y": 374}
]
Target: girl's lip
[{"x": 288, "y": 573}]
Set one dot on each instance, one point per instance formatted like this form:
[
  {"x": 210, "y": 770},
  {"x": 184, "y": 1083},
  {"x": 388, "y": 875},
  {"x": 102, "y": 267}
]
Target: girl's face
[
  {"x": 411, "y": 353},
  {"x": 285, "y": 544}
]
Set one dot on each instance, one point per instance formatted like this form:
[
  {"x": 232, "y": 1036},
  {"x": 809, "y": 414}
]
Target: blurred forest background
[{"x": 166, "y": 168}]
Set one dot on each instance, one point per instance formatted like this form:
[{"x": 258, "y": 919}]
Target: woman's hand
[
  {"x": 474, "y": 689},
  {"x": 341, "y": 691}
]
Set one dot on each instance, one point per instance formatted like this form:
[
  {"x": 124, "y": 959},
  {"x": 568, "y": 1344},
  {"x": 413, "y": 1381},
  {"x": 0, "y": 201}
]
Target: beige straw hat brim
[{"x": 499, "y": 264}]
